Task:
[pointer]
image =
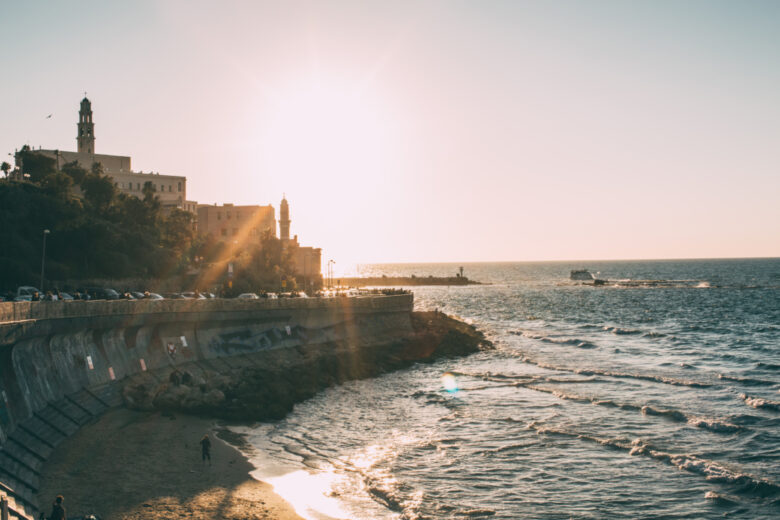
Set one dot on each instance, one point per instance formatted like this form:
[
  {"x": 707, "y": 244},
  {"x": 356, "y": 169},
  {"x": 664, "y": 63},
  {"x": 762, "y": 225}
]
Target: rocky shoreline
[{"x": 275, "y": 380}]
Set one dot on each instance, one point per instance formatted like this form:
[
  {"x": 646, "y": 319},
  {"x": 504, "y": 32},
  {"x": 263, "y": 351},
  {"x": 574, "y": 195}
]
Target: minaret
[
  {"x": 86, "y": 135},
  {"x": 284, "y": 220}
]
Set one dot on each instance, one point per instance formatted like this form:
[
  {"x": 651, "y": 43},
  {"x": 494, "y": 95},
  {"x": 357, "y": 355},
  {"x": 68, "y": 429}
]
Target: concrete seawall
[{"x": 64, "y": 363}]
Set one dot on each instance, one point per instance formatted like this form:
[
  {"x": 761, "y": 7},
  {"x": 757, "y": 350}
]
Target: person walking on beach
[
  {"x": 57, "y": 510},
  {"x": 205, "y": 448}
]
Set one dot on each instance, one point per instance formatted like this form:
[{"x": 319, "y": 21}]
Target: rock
[{"x": 284, "y": 377}]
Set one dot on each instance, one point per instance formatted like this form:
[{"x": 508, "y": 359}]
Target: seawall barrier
[{"x": 64, "y": 363}]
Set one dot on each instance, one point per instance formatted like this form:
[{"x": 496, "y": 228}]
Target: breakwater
[
  {"x": 64, "y": 363},
  {"x": 405, "y": 281}
]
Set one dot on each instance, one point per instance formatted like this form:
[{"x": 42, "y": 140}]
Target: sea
[{"x": 654, "y": 395}]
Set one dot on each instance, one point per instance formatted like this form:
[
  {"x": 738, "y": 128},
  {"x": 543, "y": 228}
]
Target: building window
[
  {"x": 138, "y": 185},
  {"x": 219, "y": 215},
  {"x": 179, "y": 187},
  {"x": 224, "y": 232}
]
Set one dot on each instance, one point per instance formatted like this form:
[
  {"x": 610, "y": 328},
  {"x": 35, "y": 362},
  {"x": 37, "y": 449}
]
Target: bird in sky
[{"x": 49, "y": 116}]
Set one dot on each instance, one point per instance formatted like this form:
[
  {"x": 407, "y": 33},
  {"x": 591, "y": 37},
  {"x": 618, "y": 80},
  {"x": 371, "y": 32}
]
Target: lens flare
[{"x": 449, "y": 382}]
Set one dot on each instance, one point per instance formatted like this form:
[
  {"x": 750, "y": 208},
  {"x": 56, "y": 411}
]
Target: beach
[{"x": 130, "y": 465}]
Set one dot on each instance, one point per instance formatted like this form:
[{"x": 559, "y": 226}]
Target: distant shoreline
[{"x": 402, "y": 281}]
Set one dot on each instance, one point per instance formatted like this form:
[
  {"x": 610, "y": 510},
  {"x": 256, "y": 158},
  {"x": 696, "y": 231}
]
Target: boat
[{"x": 582, "y": 275}]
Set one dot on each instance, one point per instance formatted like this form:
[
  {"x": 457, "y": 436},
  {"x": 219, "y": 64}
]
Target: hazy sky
[{"x": 430, "y": 130}]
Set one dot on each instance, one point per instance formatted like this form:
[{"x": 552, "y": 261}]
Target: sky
[{"x": 425, "y": 131}]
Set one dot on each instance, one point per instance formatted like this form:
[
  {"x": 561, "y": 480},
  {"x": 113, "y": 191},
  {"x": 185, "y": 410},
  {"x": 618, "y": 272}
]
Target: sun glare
[
  {"x": 449, "y": 382},
  {"x": 319, "y": 132}
]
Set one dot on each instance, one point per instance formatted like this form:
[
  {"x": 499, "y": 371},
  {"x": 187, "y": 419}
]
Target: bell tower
[
  {"x": 86, "y": 128},
  {"x": 284, "y": 220}
]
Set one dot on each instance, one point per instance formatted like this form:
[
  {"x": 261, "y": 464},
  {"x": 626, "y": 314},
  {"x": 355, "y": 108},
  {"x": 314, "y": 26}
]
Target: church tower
[
  {"x": 284, "y": 220},
  {"x": 86, "y": 128}
]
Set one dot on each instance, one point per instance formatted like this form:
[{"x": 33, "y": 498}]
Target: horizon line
[{"x": 454, "y": 262}]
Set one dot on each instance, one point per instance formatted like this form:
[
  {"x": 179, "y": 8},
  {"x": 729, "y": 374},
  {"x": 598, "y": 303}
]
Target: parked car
[
  {"x": 248, "y": 296},
  {"x": 66, "y": 296},
  {"x": 174, "y": 296},
  {"x": 193, "y": 295},
  {"x": 25, "y": 293},
  {"x": 155, "y": 296},
  {"x": 102, "y": 293}
]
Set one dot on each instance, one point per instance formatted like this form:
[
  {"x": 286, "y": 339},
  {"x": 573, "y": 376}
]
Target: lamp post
[
  {"x": 305, "y": 280},
  {"x": 331, "y": 263},
  {"x": 43, "y": 255}
]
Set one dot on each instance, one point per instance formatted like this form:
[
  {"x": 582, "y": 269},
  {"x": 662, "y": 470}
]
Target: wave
[
  {"x": 711, "y": 470},
  {"x": 620, "y": 375},
  {"x": 767, "y": 366},
  {"x": 579, "y": 343},
  {"x": 622, "y": 332},
  {"x": 760, "y": 403},
  {"x": 644, "y": 377},
  {"x": 477, "y": 512},
  {"x": 719, "y": 498},
  {"x": 747, "y": 381},
  {"x": 714, "y": 425},
  {"x": 705, "y": 423}
]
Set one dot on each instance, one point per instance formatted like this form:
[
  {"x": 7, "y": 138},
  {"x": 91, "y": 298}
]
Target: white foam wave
[
  {"x": 760, "y": 402},
  {"x": 711, "y": 470}
]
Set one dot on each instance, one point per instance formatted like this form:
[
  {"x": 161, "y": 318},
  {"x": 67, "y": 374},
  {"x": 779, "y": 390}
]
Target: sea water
[{"x": 650, "y": 400}]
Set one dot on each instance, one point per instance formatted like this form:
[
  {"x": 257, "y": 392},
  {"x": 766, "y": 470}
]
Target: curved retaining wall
[{"x": 64, "y": 363}]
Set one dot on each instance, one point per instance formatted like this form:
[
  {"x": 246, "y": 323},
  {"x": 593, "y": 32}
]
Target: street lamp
[
  {"x": 43, "y": 255},
  {"x": 331, "y": 263},
  {"x": 305, "y": 280}
]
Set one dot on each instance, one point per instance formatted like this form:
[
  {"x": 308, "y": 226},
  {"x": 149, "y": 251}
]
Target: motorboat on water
[{"x": 581, "y": 275}]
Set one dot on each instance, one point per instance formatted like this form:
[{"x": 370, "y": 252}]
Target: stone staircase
[{"x": 33, "y": 441}]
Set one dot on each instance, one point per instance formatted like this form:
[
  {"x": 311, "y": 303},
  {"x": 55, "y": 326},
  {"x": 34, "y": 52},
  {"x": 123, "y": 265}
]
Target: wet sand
[{"x": 143, "y": 465}]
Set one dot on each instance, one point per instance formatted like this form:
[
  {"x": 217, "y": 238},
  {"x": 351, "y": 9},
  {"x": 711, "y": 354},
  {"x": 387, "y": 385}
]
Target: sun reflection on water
[{"x": 449, "y": 382}]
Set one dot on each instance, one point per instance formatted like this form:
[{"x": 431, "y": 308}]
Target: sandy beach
[{"x": 145, "y": 465}]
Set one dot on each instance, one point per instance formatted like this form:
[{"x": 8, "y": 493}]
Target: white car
[
  {"x": 25, "y": 293},
  {"x": 248, "y": 296}
]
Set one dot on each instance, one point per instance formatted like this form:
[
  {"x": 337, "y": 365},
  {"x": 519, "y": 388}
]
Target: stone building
[
  {"x": 231, "y": 222},
  {"x": 171, "y": 189},
  {"x": 307, "y": 260}
]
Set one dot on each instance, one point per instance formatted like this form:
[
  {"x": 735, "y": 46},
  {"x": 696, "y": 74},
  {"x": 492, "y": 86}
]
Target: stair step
[
  {"x": 14, "y": 487},
  {"x": 36, "y": 426},
  {"x": 72, "y": 411},
  {"x": 20, "y": 472},
  {"x": 22, "y": 456},
  {"x": 33, "y": 444},
  {"x": 59, "y": 421},
  {"x": 89, "y": 402}
]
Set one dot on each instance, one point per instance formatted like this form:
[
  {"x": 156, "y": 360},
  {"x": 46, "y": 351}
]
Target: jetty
[{"x": 405, "y": 281}]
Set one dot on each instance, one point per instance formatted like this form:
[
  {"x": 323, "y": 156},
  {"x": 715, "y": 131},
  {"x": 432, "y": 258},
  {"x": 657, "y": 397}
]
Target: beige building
[
  {"x": 307, "y": 260},
  {"x": 231, "y": 222},
  {"x": 171, "y": 189}
]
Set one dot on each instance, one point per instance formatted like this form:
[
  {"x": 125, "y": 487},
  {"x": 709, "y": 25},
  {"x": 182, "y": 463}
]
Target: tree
[
  {"x": 75, "y": 171},
  {"x": 58, "y": 184},
  {"x": 177, "y": 230},
  {"x": 35, "y": 164},
  {"x": 5, "y": 167},
  {"x": 99, "y": 191}
]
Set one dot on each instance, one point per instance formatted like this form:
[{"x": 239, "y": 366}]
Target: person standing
[
  {"x": 205, "y": 448},
  {"x": 57, "y": 509}
]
